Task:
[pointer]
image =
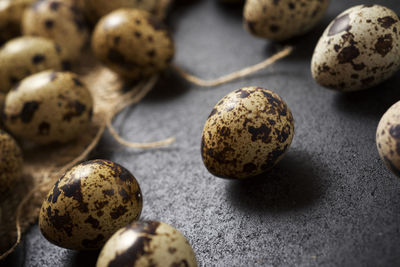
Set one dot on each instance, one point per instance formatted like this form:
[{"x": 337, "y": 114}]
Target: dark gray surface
[{"x": 330, "y": 202}]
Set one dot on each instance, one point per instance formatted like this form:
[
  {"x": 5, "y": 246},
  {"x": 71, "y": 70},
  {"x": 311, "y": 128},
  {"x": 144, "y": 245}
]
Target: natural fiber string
[
  {"x": 235, "y": 75},
  {"x": 147, "y": 88}
]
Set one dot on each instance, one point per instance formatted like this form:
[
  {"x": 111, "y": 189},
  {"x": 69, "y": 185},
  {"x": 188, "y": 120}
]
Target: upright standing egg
[
  {"x": 388, "y": 138},
  {"x": 247, "y": 133},
  {"x": 23, "y": 56},
  {"x": 359, "y": 49},
  {"x": 89, "y": 203},
  {"x": 283, "y": 19},
  {"x": 10, "y": 162},
  {"x": 48, "y": 107},
  {"x": 133, "y": 43},
  {"x": 147, "y": 243},
  {"x": 62, "y": 22},
  {"x": 99, "y": 8}
]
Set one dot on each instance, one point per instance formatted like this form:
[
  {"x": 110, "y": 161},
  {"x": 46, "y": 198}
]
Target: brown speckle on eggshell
[
  {"x": 280, "y": 20},
  {"x": 48, "y": 107},
  {"x": 133, "y": 43},
  {"x": 23, "y": 56},
  {"x": 90, "y": 203},
  {"x": 388, "y": 138},
  {"x": 10, "y": 162},
  {"x": 147, "y": 243},
  {"x": 359, "y": 49},
  {"x": 59, "y": 21},
  {"x": 247, "y": 133}
]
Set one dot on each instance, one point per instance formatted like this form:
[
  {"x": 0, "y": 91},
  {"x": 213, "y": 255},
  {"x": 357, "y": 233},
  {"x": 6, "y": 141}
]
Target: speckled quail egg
[
  {"x": 62, "y": 22},
  {"x": 147, "y": 243},
  {"x": 90, "y": 203},
  {"x": 11, "y": 12},
  {"x": 359, "y": 49},
  {"x": 247, "y": 133},
  {"x": 388, "y": 138},
  {"x": 99, "y": 8},
  {"x": 280, "y": 20},
  {"x": 133, "y": 43},
  {"x": 48, "y": 107},
  {"x": 24, "y": 56},
  {"x": 10, "y": 161}
]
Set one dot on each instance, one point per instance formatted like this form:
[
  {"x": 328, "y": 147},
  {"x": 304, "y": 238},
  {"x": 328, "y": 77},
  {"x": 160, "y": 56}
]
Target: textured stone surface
[{"x": 329, "y": 202}]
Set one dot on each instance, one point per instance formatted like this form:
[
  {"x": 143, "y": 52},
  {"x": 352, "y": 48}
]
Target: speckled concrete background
[{"x": 330, "y": 202}]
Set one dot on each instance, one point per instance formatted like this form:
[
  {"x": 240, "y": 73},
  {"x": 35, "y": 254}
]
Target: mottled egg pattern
[
  {"x": 133, "y": 43},
  {"x": 359, "y": 49},
  {"x": 48, "y": 107},
  {"x": 24, "y": 56},
  {"x": 90, "y": 203},
  {"x": 11, "y": 12},
  {"x": 388, "y": 138},
  {"x": 59, "y": 21},
  {"x": 10, "y": 162},
  {"x": 247, "y": 133},
  {"x": 96, "y": 9},
  {"x": 282, "y": 19},
  {"x": 147, "y": 243}
]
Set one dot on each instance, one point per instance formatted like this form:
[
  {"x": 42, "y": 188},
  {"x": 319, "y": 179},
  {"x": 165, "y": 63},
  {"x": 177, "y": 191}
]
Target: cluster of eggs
[{"x": 45, "y": 103}]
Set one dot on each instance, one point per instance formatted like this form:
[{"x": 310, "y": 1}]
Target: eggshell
[
  {"x": 99, "y": 8},
  {"x": 90, "y": 203},
  {"x": 23, "y": 56},
  {"x": 48, "y": 107},
  {"x": 62, "y": 22},
  {"x": 10, "y": 162},
  {"x": 11, "y": 12},
  {"x": 247, "y": 133},
  {"x": 133, "y": 43},
  {"x": 147, "y": 243},
  {"x": 388, "y": 138},
  {"x": 280, "y": 20},
  {"x": 359, "y": 49}
]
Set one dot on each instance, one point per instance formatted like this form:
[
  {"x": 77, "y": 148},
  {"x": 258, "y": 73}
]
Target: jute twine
[{"x": 44, "y": 166}]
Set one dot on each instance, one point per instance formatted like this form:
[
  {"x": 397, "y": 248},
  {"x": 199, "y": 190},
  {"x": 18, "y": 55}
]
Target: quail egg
[
  {"x": 132, "y": 43},
  {"x": 24, "y": 56},
  {"x": 388, "y": 138},
  {"x": 283, "y": 19},
  {"x": 359, "y": 49},
  {"x": 147, "y": 243},
  {"x": 48, "y": 107},
  {"x": 88, "y": 204},
  {"x": 99, "y": 8},
  {"x": 59, "y": 21},
  {"x": 10, "y": 162},
  {"x": 247, "y": 133},
  {"x": 11, "y": 12}
]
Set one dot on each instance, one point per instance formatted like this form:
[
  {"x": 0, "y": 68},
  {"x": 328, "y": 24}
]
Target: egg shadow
[
  {"x": 292, "y": 185},
  {"x": 83, "y": 258},
  {"x": 372, "y": 102},
  {"x": 170, "y": 85},
  {"x": 234, "y": 10}
]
